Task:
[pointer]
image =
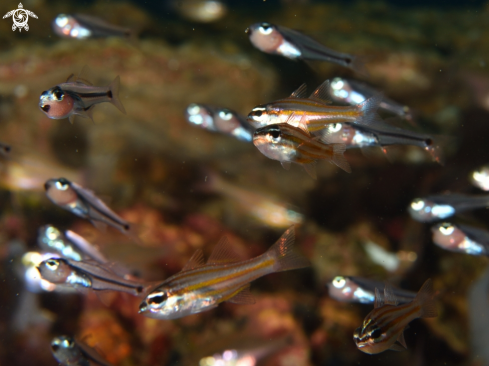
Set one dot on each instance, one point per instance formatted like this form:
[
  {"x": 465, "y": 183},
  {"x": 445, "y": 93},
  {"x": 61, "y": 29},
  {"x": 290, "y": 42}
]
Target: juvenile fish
[
  {"x": 221, "y": 120},
  {"x": 70, "y": 351},
  {"x": 69, "y": 245},
  {"x": 82, "y": 26},
  {"x": 316, "y": 110},
  {"x": 362, "y": 290},
  {"x": 439, "y": 207},
  {"x": 355, "y": 92},
  {"x": 88, "y": 274},
  {"x": 480, "y": 178},
  {"x": 201, "y": 287},
  {"x": 355, "y": 135},
  {"x": 461, "y": 238},
  {"x": 83, "y": 202},
  {"x": 294, "y": 45},
  {"x": 289, "y": 144},
  {"x": 78, "y": 98},
  {"x": 384, "y": 326}
]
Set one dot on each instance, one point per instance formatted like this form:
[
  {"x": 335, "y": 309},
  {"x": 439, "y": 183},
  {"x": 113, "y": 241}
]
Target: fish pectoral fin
[
  {"x": 401, "y": 340},
  {"x": 300, "y": 92},
  {"x": 244, "y": 297},
  {"x": 396, "y": 347},
  {"x": 223, "y": 253},
  {"x": 321, "y": 94},
  {"x": 196, "y": 260},
  {"x": 285, "y": 164},
  {"x": 310, "y": 168}
]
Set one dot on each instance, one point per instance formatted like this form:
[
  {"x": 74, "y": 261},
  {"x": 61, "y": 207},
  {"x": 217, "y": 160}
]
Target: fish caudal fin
[
  {"x": 114, "y": 94},
  {"x": 426, "y": 300},
  {"x": 369, "y": 109},
  {"x": 339, "y": 159},
  {"x": 285, "y": 256}
]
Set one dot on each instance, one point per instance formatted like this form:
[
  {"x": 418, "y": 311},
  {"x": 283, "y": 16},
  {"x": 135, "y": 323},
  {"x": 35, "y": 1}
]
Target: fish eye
[
  {"x": 157, "y": 298},
  {"x": 68, "y": 343},
  {"x": 54, "y": 346},
  {"x": 52, "y": 264},
  {"x": 58, "y": 94},
  {"x": 258, "y": 113},
  {"x": 335, "y": 127},
  {"x": 274, "y": 134},
  {"x": 417, "y": 204},
  {"x": 226, "y": 114},
  {"x": 265, "y": 28},
  {"x": 337, "y": 83},
  {"x": 446, "y": 228},
  {"x": 46, "y": 108},
  {"x": 193, "y": 109},
  {"x": 339, "y": 282},
  {"x": 62, "y": 186},
  {"x": 52, "y": 233},
  {"x": 376, "y": 333},
  {"x": 428, "y": 142}
]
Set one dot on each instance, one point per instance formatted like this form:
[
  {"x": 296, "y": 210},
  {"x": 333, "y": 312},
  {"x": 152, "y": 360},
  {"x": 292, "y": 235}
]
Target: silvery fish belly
[
  {"x": 200, "y": 287},
  {"x": 316, "y": 110},
  {"x": 461, "y": 238}
]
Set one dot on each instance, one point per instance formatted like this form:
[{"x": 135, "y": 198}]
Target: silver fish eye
[
  {"x": 418, "y": 204},
  {"x": 446, "y": 228},
  {"x": 335, "y": 127},
  {"x": 376, "y": 333},
  {"x": 337, "y": 83},
  {"x": 61, "y": 20},
  {"x": 62, "y": 186},
  {"x": 193, "y": 109},
  {"x": 274, "y": 135},
  {"x": 58, "y": 94},
  {"x": 339, "y": 282},
  {"x": 68, "y": 343},
  {"x": 52, "y": 233},
  {"x": 265, "y": 29},
  {"x": 225, "y": 114},
  {"x": 52, "y": 264},
  {"x": 156, "y": 298}
]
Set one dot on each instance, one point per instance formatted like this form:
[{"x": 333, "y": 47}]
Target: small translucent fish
[
  {"x": 89, "y": 275},
  {"x": 221, "y": 120},
  {"x": 70, "y": 351},
  {"x": 362, "y": 290},
  {"x": 289, "y": 144},
  {"x": 480, "y": 178},
  {"x": 294, "y": 45},
  {"x": 316, "y": 110},
  {"x": 78, "y": 98},
  {"x": 272, "y": 212},
  {"x": 461, "y": 238},
  {"x": 201, "y": 287},
  {"x": 355, "y": 92},
  {"x": 439, "y": 207},
  {"x": 356, "y": 135},
  {"x": 83, "y": 202},
  {"x": 383, "y": 327},
  {"x": 202, "y": 11},
  {"x": 82, "y": 26},
  {"x": 69, "y": 245}
]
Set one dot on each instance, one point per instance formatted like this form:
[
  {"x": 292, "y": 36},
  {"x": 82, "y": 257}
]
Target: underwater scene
[{"x": 241, "y": 183}]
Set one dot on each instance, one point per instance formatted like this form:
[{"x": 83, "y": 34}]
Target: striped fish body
[{"x": 200, "y": 287}]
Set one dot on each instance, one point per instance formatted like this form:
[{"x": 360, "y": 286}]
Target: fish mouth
[
  {"x": 143, "y": 307},
  {"x": 45, "y": 108}
]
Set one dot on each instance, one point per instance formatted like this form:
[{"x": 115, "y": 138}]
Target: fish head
[
  {"x": 160, "y": 304},
  {"x": 226, "y": 120},
  {"x": 447, "y": 236},
  {"x": 370, "y": 338},
  {"x": 56, "y": 103},
  {"x": 262, "y": 115},
  {"x": 340, "y": 89},
  {"x": 55, "y": 270},
  {"x": 200, "y": 115},
  {"x": 425, "y": 210},
  {"x": 274, "y": 143},
  {"x": 60, "y": 191},
  {"x": 265, "y": 36},
  {"x": 342, "y": 288},
  {"x": 65, "y": 350}
]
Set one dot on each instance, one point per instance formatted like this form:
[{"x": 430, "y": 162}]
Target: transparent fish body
[
  {"x": 82, "y": 26},
  {"x": 70, "y": 351},
  {"x": 461, "y": 238}
]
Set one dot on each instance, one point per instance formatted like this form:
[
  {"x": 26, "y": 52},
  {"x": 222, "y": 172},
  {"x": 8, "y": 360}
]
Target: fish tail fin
[
  {"x": 426, "y": 300},
  {"x": 284, "y": 255},
  {"x": 369, "y": 109},
  {"x": 339, "y": 159},
  {"x": 114, "y": 94}
]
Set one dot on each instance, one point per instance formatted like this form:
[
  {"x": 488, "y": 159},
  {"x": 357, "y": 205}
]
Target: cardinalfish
[
  {"x": 316, "y": 110},
  {"x": 362, "y": 290},
  {"x": 439, "y": 207},
  {"x": 289, "y": 144},
  {"x": 354, "y": 92},
  {"x": 77, "y": 97},
  {"x": 69, "y": 245},
  {"x": 87, "y": 274},
  {"x": 294, "y": 45},
  {"x": 379, "y": 134},
  {"x": 201, "y": 287},
  {"x": 82, "y": 26},
  {"x": 480, "y": 178},
  {"x": 83, "y": 202},
  {"x": 461, "y": 238},
  {"x": 383, "y": 327},
  {"x": 69, "y": 351},
  {"x": 221, "y": 120}
]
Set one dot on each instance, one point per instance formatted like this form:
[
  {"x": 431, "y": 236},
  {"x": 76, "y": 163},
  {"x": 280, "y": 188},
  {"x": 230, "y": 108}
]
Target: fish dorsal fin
[
  {"x": 321, "y": 94},
  {"x": 70, "y": 78},
  {"x": 82, "y": 76},
  {"x": 300, "y": 92},
  {"x": 223, "y": 253},
  {"x": 401, "y": 340},
  {"x": 243, "y": 297},
  {"x": 196, "y": 260},
  {"x": 379, "y": 301},
  {"x": 389, "y": 297},
  {"x": 285, "y": 164}
]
